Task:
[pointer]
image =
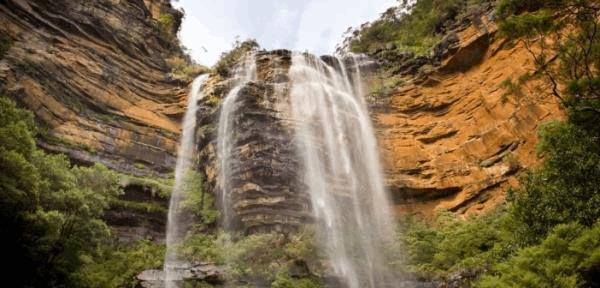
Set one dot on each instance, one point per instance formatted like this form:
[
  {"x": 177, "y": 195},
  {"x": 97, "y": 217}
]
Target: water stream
[
  {"x": 244, "y": 72},
  {"x": 340, "y": 165},
  {"x": 176, "y": 228},
  {"x": 337, "y": 145}
]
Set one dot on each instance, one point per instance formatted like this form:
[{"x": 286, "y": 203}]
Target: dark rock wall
[{"x": 266, "y": 192}]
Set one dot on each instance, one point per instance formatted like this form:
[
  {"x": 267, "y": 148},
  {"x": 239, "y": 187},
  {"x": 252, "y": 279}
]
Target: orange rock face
[
  {"x": 449, "y": 140},
  {"x": 94, "y": 74}
]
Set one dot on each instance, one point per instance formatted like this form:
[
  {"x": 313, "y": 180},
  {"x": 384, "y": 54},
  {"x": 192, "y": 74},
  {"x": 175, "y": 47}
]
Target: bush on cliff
[
  {"x": 563, "y": 40},
  {"x": 228, "y": 59},
  {"x": 417, "y": 31}
]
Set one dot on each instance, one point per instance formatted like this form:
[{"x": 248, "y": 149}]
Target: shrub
[
  {"x": 196, "y": 201},
  {"x": 282, "y": 280},
  {"x": 184, "y": 69},
  {"x": 448, "y": 244},
  {"x": 565, "y": 188},
  {"x": 568, "y": 257},
  {"x": 166, "y": 22},
  {"x": 418, "y": 31},
  {"x": 561, "y": 37},
  {"x": 203, "y": 247},
  {"x": 228, "y": 59},
  {"x": 117, "y": 264}
]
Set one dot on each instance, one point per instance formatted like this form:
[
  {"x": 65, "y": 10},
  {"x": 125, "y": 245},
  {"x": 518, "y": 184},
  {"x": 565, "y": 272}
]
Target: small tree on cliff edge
[{"x": 563, "y": 36}]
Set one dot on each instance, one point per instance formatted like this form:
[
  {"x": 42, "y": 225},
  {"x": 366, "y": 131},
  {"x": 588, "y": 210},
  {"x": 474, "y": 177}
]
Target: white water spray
[
  {"x": 185, "y": 161},
  {"x": 336, "y": 142},
  {"x": 242, "y": 74}
]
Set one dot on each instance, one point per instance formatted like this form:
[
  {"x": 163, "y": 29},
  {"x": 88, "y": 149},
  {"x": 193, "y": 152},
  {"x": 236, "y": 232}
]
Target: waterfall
[
  {"x": 243, "y": 73},
  {"x": 185, "y": 161},
  {"x": 341, "y": 168}
]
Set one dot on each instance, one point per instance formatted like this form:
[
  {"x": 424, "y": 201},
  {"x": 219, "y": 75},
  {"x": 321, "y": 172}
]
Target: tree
[
  {"x": 563, "y": 38},
  {"x": 568, "y": 257},
  {"x": 565, "y": 188},
  {"x": 50, "y": 212}
]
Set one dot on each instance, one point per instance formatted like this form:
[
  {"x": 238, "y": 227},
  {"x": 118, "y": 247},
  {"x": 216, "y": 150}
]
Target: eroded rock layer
[
  {"x": 451, "y": 136},
  {"x": 266, "y": 192},
  {"x": 94, "y": 74}
]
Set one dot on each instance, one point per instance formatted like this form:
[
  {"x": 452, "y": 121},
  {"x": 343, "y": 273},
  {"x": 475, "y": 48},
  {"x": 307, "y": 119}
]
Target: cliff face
[
  {"x": 266, "y": 192},
  {"x": 95, "y": 76},
  {"x": 94, "y": 73},
  {"x": 450, "y": 136}
]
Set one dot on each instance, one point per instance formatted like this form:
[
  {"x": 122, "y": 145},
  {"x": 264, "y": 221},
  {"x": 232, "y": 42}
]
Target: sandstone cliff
[
  {"x": 266, "y": 191},
  {"x": 95, "y": 76},
  {"x": 450, "y": 135}
]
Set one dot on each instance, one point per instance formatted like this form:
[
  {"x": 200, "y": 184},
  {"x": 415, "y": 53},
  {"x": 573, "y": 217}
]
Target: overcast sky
[{"x": 211, "y": 26}]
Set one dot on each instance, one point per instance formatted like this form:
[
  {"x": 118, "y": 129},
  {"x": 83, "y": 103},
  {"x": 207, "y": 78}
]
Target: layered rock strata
[
  {"x": 94, "y": 74},
  {"x": 451, "y": 136},
  {"x": 266, "y": 193}
]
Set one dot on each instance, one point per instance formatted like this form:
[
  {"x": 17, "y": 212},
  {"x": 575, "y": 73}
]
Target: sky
[{"x": 210, "y": 27}]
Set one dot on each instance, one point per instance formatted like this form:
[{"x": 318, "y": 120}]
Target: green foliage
[
  {"x": 448, "y": 244},
  {"x": 383, "y": 85},
  {"x": 145, "y": 207},
  {"x": 561, "y": 36},
  {"x": 116, "y": 265},
  {"x": 158, "y": 186},
  {"x": 258, "y": 256},
  {"x": 302, "y": 246},
  {"x": 196, "y": 201},
  {"x": 507, "y": 8},
  {"x": 568, "y": 257},
  {"x": 567, "y": 186},
  {"x": 514, "y": 87},
  {"x": 418, "y": 31},
  {"x": 282, "y": 280},
  {"x": 203, "y": 247},
  {"x": 228, "y": 59},
  {"x": 166, "y": 21},
  {"x": 51, "y": 212},
  {"x": 528, "y": 24},
  {"x": 183, "y": 68}
]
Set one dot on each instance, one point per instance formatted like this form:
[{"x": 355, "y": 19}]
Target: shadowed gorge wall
[
  {"x": 265, "y": 192},
  {"x": 95, "y": 76},
  {"x": 94, "y": 73}
]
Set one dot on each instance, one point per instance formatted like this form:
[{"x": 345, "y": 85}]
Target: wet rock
[
  {"x": 184, "y": 273},
  {"x": 265, "y": 185}
]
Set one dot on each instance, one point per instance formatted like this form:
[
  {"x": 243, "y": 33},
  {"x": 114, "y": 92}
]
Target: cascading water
[
  {"x": 175, "y": 228},
  {"x": 342, "y": 172},
  {"x": 243, "y": 73}
]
